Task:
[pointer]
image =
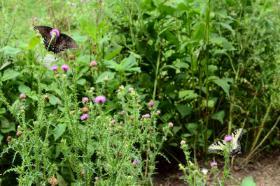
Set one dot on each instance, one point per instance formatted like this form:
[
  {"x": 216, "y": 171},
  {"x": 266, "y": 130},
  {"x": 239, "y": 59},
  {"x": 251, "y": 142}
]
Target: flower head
[
  {"x": 65, "y": 67},
  {"x": 135, "y": 162},
  {"x": 22, "y": 96},
  {"x": 85, "y": 100},
  {"x": 54, "y": 68},
  {"x": 204, "y": 171},
  {"x": 55, "y": 33},
  {"x": 93, "y": 63},
  {"x": 228, "y": 138},
  {"x": 170, "y": 124},
  {"x": 146, "y": 116},
  {"x": 213, "y": 164},
  {"x": 151, "y": 103},
  {"x": 84, "y": 117},
  {"x": 183, "y": 142},
  {"x": 100, "y": 99}
]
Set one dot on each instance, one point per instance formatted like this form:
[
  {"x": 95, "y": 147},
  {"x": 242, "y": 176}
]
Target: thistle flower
[
  {"x": 55, "y": 33},
  {"x": 22, "y": 96},
  {"x": 146, "y": 116},
  {"x": 213, "y": 164},
  {"x": 53, "y": 181},
  {"x": 228, "y": 138},
  {"x": 183, "y": 142},
  {"x": 85, "y": 100},
  {"x": 65, "y": 67},
  {"x": 135, "y": 162},
  {"x": 170, "y": 124},
  {"x": 151, "y": 103},
  {"x": 93, "y": 63},
  {"x": 100, "y": 99},
  {"x": 84, "y": 117},
  {"x": 54, "y": 68}
]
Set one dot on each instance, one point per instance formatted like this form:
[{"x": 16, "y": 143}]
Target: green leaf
[
  {"x": 10, "y": 51},
  {"x": 248, "y": 181},
  {"x": 222, "y": 82},
  {"x": 59, "y": 130},
  {"x": 24, "y": 89},
  {"x": 113, "y": 52},
  {"x": 187, "y": 94},
  {"x": 33, "y": 42},
  {"x": 219, "y": 116},
  {"x": 192, "y": 127},
  {"x": 128, "y": 64},
  {"x": 7, "y": 126},
  {"x": 105, "y": 76},
  {"x": 9, "y": 74},
  {"x": 184, "y": 110},
  {"x": 54, "y": 100},
  {"x": 81, "y": 82}
]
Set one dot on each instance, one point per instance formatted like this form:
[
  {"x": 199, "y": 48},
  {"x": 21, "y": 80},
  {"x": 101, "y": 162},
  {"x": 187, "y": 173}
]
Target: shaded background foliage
[{"x": 212, "y": 65}]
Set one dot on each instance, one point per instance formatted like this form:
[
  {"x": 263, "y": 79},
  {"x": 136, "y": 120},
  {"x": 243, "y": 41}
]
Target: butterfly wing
[
  {"x": 217, "y": 147},
  {"x": 45, "y": 33},
  {"x": 64, "y": 42},
  {"x": 236, "y": 137}
]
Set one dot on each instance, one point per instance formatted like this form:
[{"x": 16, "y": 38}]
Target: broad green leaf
[
  {"x": 113, "y": 52},
  {"x": 7, "y": 126},
  {"x": 59, "y": 130},
  {"x": 184, "y": 110},
  {"x": 9, "y": 74},
  {"x": 187, "y": 94},
  {"x": 248, "y": 181},
  {"x": 10, "y": 51},
  {"x": 1, "y": 138},
  {"x": 81, "y": 82},
  {"x": 222, "y": 82},
  {"x": 219, "y": 116},
  {"x": 24, "y": 89},
  {"x": 192, "y": 127},
  {"x": 54, "y": 100},
  {"x": 105, "y": 76}
]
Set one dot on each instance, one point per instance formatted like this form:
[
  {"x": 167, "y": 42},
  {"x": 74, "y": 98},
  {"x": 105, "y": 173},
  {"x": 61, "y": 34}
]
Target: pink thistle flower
[
  {"x": 100, "y": 99},
  {"x": 228, "y": 138},
  {"x": 135, "y": 162},
  {"x": 55, "y": 33},
  {"x": 146, "y": 116},
  {"x": 93, "y": 63},
  {"x": 22, "y": 96},
  {"x": 213, "y": 164},
  {"x": 54, "y": 68},
  {"x": 84, "y": 117},
  {"x": 151, "y": 103},
  {"x": 65, "y": 67},
  {"x": 85, "y": 100}
]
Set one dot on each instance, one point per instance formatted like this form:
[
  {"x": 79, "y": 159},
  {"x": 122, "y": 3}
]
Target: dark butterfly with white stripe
[
  {"x": 59, "y": 43},
  {"x": 235, "y": 147}
]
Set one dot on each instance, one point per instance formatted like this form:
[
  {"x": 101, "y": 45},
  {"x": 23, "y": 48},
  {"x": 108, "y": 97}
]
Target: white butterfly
[{"x": 235, "y": 147}]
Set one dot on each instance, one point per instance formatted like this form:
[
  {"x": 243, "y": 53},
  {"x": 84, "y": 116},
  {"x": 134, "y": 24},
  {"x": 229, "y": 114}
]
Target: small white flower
[{"x": 204, "y": 171}]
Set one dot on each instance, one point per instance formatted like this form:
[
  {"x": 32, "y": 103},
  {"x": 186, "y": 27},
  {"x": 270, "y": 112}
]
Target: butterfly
[
  {"x": 235, "y": 147},
  {"x": 60, "y": 43}
]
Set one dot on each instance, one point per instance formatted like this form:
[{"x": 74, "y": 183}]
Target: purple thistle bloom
[
  {"x": 54, "y": 68},
  {"x": 135, "y": 162},
  {"x": 100, "y": 99},
  {"x": 151, "y": 103},
  {"x": 84, "y": 117},
  {"x": 213, "y": 164},
  {"x": 228, "y": 138},
  {"x": 85, "y": 100},
  {"x": 146, "y": 116},
  {"x": 55, "y": 33},
  {"x": 93, "y": 63},
  {"x": 65, "y": 67}
]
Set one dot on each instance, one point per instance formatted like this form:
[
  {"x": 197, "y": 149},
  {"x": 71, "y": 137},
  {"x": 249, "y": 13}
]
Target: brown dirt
[{"x": 265, "y": 170}]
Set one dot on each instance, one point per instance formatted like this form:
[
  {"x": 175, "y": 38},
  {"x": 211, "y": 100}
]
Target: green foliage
[
  {"x": 248, "y": 181},
  {"x": 211, "y": 65}
]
